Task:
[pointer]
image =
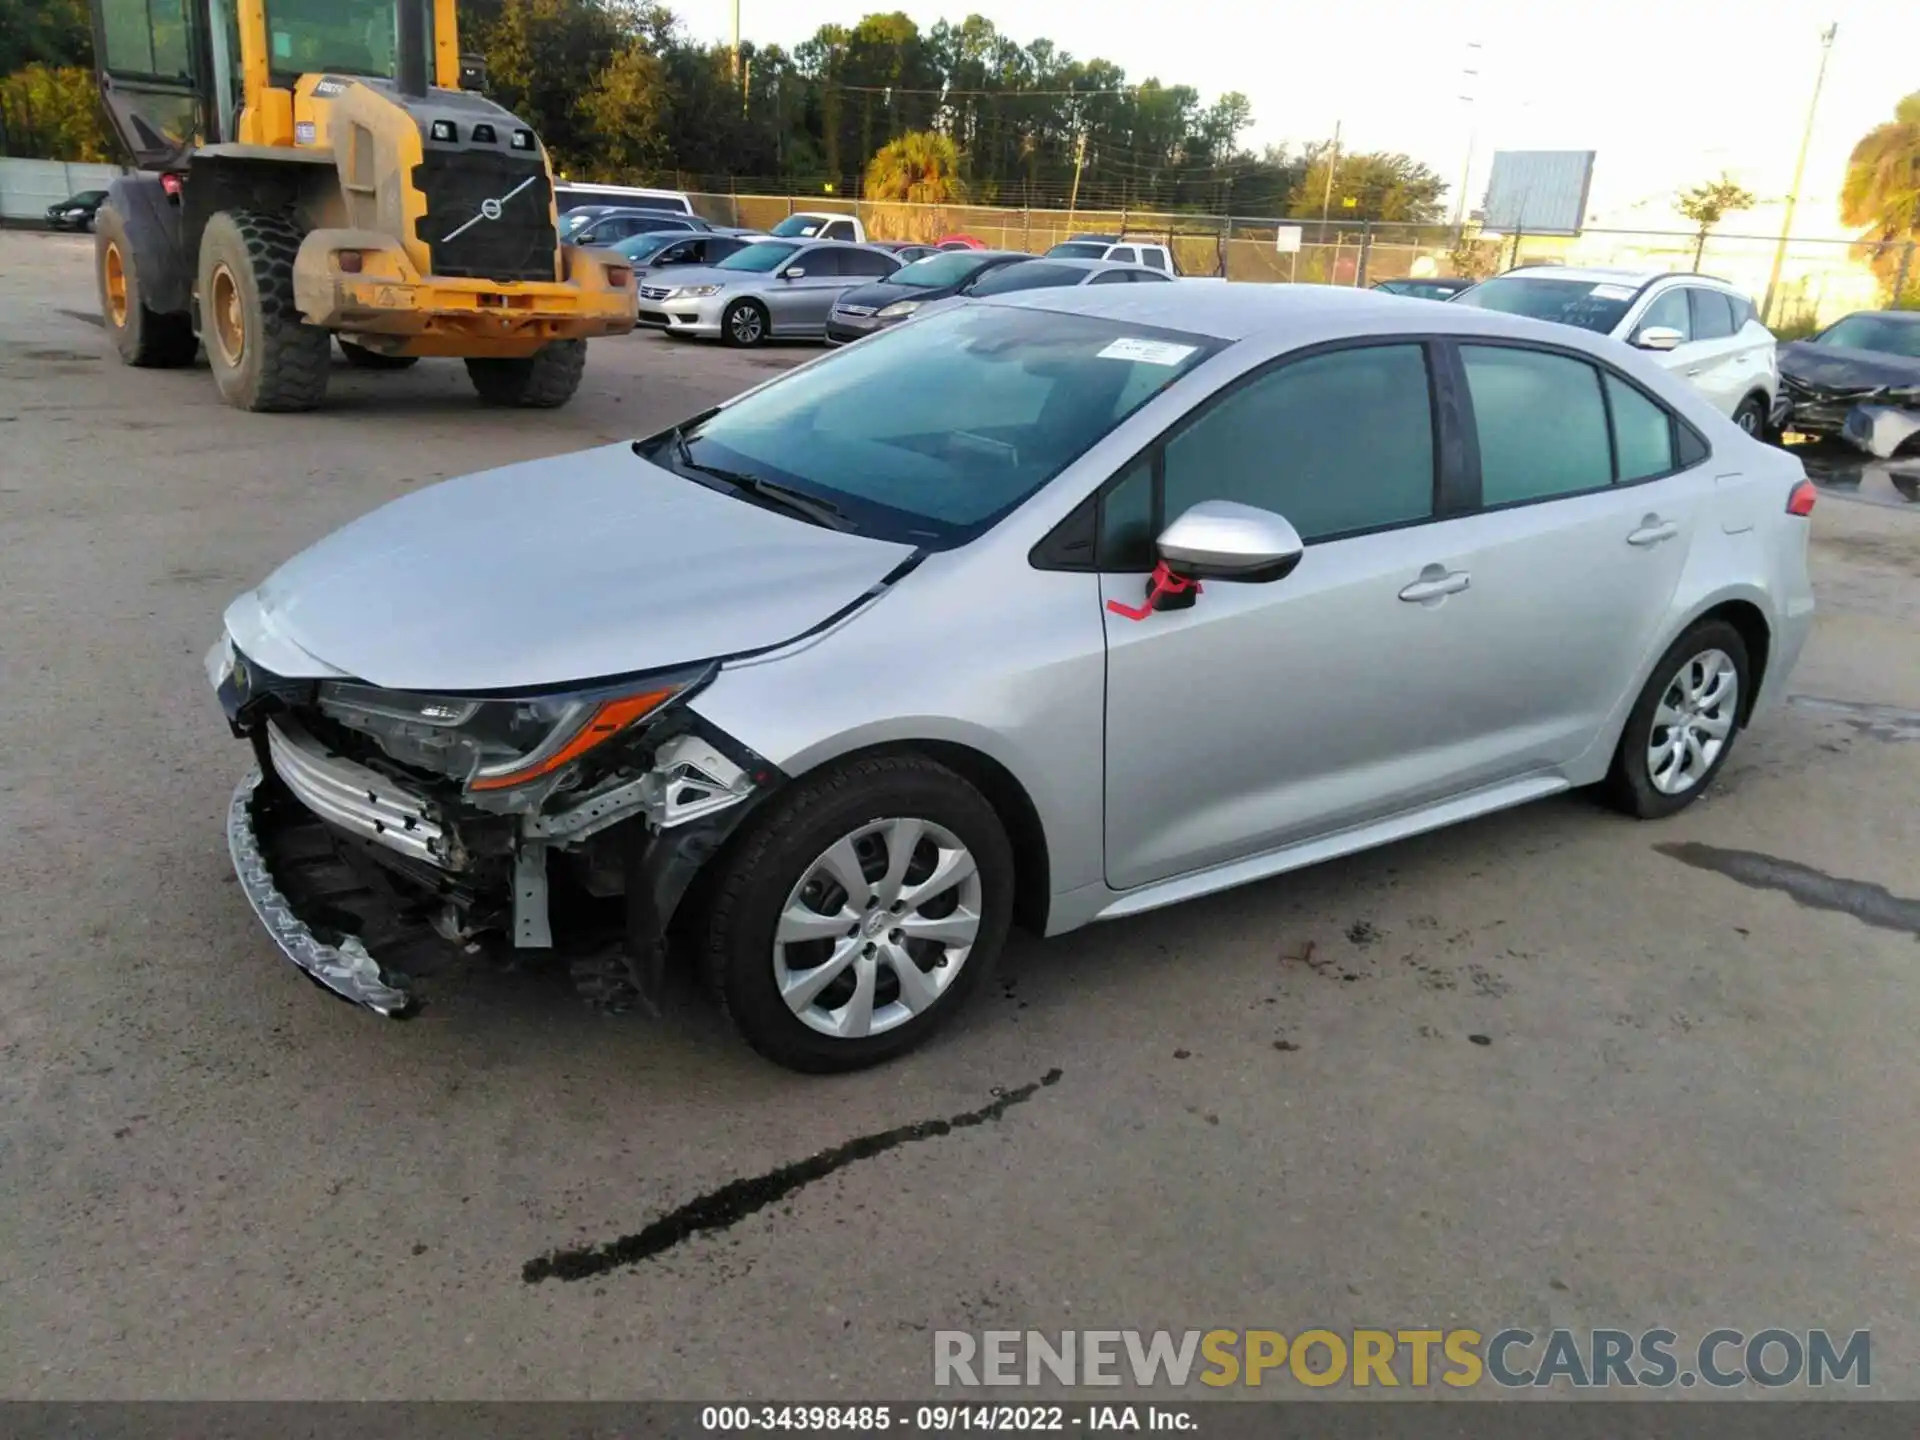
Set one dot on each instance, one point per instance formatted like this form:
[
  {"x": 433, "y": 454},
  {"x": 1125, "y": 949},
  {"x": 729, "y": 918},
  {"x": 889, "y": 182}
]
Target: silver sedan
[
  {"x": 1048, "y": 608},
  {"x": 772, "y": 289}
]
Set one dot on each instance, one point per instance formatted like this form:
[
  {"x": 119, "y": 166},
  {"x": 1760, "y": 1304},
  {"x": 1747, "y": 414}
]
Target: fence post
[
  {"x": 1366, "y": 249},
  {"x": 1515, "y": 260},
  {"x": 1900, "y": 280}
]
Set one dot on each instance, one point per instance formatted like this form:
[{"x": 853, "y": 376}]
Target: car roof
[
  {"x": 1616, "y": 275},
  {"x": 1243, "y": 311},
  {"x": 1899, "y": 317}
]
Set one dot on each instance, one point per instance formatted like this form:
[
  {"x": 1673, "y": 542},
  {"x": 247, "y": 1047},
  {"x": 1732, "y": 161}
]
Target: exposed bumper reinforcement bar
[{"x": 346, "y": 968}]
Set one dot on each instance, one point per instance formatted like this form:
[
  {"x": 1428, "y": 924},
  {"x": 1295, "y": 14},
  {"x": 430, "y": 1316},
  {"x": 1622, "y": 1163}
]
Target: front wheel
[
  {"x": 745, "y": 324},
  {"x": 542, "y": 381},
  {"x": 1682, "y": 727},
  {"x": 1752, "y": 416},
  {"x": 856, "y": 914},
  {"x": 263, "y": 355}
]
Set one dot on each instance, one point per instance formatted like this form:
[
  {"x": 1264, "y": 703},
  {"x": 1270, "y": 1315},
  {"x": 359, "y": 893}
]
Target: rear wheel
[
  {"x": 535, "y": 382},
  {"x": 263, "y": 356},
  {"x": 142, "y": 336},
  {"x": 361, "y": 358},
  {"x": 1682, "y": 727}
]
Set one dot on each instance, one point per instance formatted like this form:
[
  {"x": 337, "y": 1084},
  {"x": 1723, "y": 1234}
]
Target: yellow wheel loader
[{"x": 321, "y": 170}]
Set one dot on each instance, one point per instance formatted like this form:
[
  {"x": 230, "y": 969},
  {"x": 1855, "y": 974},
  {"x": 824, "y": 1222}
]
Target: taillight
[
  {"x": 619, "y": 276},
  {"x": 1800, "y": 502},
  {"x": 351, "y": 262},
  {"x": 170, "y": 183}
]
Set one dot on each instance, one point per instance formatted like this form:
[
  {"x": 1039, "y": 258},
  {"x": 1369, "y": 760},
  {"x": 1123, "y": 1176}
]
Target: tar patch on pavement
[
  {"x": 1881, "y": 722},
  {"x": 1868, "y": 903},
  {"x": 737, "y": 1199}
]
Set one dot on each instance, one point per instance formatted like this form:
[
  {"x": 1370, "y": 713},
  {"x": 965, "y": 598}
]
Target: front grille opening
[{"x": 489, "y": 216}]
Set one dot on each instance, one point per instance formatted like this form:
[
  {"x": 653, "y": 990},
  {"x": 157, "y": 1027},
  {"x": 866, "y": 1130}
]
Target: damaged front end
[
  {"x": 1883, "y": 431},
  {"x": 382, "y": 831}
]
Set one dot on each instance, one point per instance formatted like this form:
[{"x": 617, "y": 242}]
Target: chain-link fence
[{"x": 1817, "y": 281}]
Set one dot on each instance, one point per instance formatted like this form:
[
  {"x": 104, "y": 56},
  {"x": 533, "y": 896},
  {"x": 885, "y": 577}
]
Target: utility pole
[
  {"x": 1333, "y": 164},
  {"x": 1466, "y": 170},
  {"x": 1799, "y": 171},
  {"x": 736, "y": 43},
  {"x": 1079, "y": 160}
]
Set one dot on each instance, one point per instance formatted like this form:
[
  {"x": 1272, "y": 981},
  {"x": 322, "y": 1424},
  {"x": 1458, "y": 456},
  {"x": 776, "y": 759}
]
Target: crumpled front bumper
[
  {"x": 1880, "y": 430},
  {"x": 345, "y": 968}
]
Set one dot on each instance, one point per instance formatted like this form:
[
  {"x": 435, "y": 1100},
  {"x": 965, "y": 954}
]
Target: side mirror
[
  {"x": 1224, "y": 540},
  {"x": 1658, "y": 337},
  {"x": 794, "y": 272}
]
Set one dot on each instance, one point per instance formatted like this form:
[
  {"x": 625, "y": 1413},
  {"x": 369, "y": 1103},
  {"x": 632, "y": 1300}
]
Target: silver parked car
[
  {"x": 1056, "y": 607},
  {"x": 770, "y": 289}
]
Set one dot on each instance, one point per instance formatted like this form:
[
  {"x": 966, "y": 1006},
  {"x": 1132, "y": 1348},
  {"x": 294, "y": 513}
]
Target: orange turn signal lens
[
  {"x": 618, "y": 276},
  {"x": 608, "y": 720}
]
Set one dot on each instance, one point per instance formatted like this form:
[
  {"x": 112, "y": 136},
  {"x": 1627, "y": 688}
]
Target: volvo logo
[{"x": 490, "y": 209}]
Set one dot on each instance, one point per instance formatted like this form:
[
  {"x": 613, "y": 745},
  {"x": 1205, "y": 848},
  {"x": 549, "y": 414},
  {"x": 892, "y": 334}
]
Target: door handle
[
  {"x": 1436, "y": 584},
  {"x": 1652, "y": 531},
  {"x": 1695, "y": 371}
]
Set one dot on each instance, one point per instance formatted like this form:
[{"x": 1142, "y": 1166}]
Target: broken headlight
[{"x": 498, "y": 745}]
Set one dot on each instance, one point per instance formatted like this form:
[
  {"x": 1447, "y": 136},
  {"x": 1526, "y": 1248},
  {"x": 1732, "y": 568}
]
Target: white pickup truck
[
  {"x": 820, "y": 225},
  {"x": 1152, "y": 253}
]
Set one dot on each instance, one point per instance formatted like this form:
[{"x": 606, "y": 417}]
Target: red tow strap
[{"x": 1162, "y": 584}]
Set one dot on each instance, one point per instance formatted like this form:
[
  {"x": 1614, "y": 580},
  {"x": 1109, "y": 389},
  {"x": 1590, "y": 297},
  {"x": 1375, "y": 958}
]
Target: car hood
[
  {"x": 879, "y": 295},
  {"x": 1834, "y": 367},
  {"x": 575, "y": 568}
]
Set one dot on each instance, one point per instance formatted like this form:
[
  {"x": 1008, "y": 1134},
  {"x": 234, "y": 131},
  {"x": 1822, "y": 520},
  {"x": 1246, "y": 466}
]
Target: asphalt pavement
[{"x": 1549, "y": 1068}]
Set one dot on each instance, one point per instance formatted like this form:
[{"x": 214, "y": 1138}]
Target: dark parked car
[
  {"x": 604, "y": 227},
  {"x": 908, "y": 250},
  {"x": 661, "y": 249},
  {"x": 76, "y": 212},
  {"x": 1433, "y": 287},
  {"x": 1859, "y": 378},
  {"x": 867, "y": 308}
]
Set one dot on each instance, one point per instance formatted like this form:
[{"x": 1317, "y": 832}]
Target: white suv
[{"x": 1702, "y": 329}]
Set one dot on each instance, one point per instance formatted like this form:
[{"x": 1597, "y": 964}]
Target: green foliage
[
  {"x": 47, "y": 32},
  {"x": 1707, "y": 205},
  {"x": 53, "y": 114},
  {"x": 1881, "y": 192},
  {"x": 1801, "y": 327},
  {"x": 1376, "y": 186},
  {"x": 920, "y": 168}
]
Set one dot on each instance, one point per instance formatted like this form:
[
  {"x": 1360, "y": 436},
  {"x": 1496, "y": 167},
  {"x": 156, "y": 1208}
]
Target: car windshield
[
  {"x": 574, "y": 221},
  {"x": 348, "y": 37},
  {"x": 1027, "y": 275},
  {"x": 1588, "y": 304},
  {"x": 801, "y": 226},
  {"x": 648, "y": 243},
  {"x": 943, "y": 268},
  {"x": 930, "y": 432},
  {"x": 765, "y": 256},
  {"x": 1078, "y": 250},
  {"x": 1874, "y": 332}
]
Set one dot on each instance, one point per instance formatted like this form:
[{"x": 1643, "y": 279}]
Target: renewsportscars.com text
[{"x": 1510, "y": 1358}]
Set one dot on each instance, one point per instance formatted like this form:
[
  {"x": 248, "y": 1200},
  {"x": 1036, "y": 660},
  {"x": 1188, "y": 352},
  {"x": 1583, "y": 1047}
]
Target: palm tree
[
  {"x": 922, "y": 167},
  {"x": 1882, "y": 192}
]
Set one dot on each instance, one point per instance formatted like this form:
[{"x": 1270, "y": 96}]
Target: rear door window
[
  {"x": 1153, "y": 255},
  {"x": 1541, "y": 421},
  {"x": 1712, "y": 315},
  {"x": 840, "y": 230},
  {"x": 867, "y": 262}
]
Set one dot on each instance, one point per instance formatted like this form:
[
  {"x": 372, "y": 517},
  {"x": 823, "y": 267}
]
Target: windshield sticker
[
  {"x": 1611, "y": 292},
  {"x": 1147, "y": 352}
]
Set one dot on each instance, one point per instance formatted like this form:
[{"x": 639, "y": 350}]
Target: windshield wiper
[{"x": 770, "y": 492}]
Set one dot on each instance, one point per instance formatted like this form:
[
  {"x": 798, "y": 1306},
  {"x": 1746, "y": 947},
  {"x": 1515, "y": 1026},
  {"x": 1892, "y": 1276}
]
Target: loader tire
[
  {"x": 143, "y": 337},
  {"x": 543, "y": 381},
  {"x": 263, "y": 356}
]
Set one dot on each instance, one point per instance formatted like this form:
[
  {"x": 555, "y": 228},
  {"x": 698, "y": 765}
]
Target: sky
[{"x": 1670, "y": 93}]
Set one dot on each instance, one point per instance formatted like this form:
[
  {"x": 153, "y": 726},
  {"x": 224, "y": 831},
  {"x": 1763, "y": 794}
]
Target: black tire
[
  {"x": 282, "y": 362},
  {"x": 544, "y": 381},
  {"x": 143, "y": 337},
  {"x": 745, "y": 324},
  {"x": 1751, "y": 416},
  {"x": 1630, "y": 784},
  {"x": 362, "y": 358},
  {"x": 764, "y": 864}
]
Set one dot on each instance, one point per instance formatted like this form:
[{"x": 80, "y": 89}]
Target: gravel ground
[{"x": 1530, "y": 1071}]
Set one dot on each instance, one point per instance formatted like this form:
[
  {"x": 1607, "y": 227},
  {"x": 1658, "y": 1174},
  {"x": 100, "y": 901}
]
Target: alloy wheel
[
  {"x": 1693, "y": 722},
  {"x": 115, "y": 269},
  {"x": 745, "y": 325},
  {"x": 877, "y": 928}
]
